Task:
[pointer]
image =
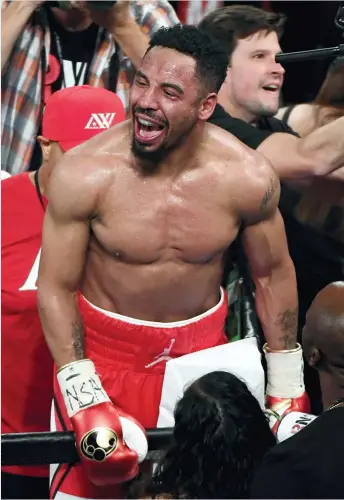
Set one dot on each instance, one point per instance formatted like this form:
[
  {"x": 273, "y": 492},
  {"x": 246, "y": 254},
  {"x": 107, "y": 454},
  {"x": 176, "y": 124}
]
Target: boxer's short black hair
[
  {"x": 211, "y": 59},
  {"x": 235, "y": 22}
]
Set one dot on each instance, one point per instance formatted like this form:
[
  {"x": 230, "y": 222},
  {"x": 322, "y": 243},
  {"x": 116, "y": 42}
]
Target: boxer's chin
[{"x": 148, "y": 154}]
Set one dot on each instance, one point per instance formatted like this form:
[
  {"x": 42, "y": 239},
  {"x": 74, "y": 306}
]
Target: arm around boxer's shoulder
[
  {"x": 318, "y": 154},
  {"x": 73, "y": 192},
  {"x": 266, "y": 248}
]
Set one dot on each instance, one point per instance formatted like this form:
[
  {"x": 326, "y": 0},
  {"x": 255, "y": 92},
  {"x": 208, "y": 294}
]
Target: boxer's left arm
[
  {"x": 273, "y": 273},
  {"x": 272, "y": 269}
]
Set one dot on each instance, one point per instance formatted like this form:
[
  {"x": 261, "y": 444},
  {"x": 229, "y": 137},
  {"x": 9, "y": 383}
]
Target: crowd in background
[{"x": 222, "y": 445}]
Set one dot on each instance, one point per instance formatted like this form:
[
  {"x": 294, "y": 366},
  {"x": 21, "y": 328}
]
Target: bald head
[{"x": 323, "y": 334}]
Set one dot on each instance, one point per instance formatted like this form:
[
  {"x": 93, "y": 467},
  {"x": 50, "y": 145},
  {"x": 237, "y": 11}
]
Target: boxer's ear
[
  {"x": 45, "y": 147},
  {"x": 207, "y": 106}
]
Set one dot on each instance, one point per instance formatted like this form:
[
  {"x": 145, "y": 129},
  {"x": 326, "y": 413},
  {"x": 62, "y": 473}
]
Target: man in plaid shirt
[{"x": 45, "y": 48}]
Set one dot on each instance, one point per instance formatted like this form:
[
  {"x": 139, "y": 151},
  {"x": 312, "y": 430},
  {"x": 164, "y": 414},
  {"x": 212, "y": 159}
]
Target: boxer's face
[
  {"x": 254, "y": 79},
  {"x": 166, "y": 102}
]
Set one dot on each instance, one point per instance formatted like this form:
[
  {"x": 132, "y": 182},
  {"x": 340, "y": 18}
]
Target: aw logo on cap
[{"x": 100, "y": 121}]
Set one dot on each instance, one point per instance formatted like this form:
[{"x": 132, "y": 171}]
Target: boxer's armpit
[
  {"x": 79, "y": 339},
  {"x": 287, "y": 322}
]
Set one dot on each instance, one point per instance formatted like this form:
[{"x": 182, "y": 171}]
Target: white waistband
[{"x": 155, "y": 324}]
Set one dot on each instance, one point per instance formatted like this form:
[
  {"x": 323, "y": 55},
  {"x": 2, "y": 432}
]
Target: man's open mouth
[
  {"x": 148, "y": 131},
  {"x": 271, "y": 88}
]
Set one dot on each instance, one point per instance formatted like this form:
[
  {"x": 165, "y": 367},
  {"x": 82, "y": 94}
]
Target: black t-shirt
[
  {"x": 245, "y": 132},
  {"x": 309, "y": 464},
  {"x": 74, "y": 51}
]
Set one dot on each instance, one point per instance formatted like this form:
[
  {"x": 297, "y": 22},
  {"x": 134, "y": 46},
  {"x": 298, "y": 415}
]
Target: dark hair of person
[
  {"x": 219, "y": 438},
  {"x": 331, "y": 94},
  {"x": 211, "y": 59},
  {"x": 235, "y": 22}
]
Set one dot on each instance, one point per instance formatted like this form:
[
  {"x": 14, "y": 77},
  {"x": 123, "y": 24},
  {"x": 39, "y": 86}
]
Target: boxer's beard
[{"x": 152, "y": 159}]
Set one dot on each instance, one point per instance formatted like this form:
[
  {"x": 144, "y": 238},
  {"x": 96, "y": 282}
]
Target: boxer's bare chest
[{"x": 191, "y": 218}]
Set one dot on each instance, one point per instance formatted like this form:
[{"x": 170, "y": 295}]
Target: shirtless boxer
[
  {"x": 132, "y": 259},
  {"x": 71, "y": 116}
]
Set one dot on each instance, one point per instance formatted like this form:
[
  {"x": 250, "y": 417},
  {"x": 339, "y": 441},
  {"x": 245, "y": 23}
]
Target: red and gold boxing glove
[
  {"x": 285, "y": 388},
  {"x": 110, "y": 443},
  {"x": 284, "y": 422}
]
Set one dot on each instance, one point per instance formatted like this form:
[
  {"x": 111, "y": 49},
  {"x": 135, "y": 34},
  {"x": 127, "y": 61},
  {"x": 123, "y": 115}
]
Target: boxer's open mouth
[{"x": 148, "y": 131}]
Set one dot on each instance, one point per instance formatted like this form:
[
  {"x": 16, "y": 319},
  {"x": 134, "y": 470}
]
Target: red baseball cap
[{"x": 75, "y": 114}]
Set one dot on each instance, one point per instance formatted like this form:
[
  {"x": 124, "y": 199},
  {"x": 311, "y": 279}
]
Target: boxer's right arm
[
  {"x": 64, "y": 244},
  {"x": 74, "y": 188}
]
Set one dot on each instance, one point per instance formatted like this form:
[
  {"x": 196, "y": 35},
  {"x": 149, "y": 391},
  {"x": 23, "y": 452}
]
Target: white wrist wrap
[
  {"x": 290, "y": 424},
  {"x": 80, "y": 386},
  {"x": 285, "y": 373}
]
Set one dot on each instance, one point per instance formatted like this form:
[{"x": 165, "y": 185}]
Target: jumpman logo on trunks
[{"x": 163, "y": 356}]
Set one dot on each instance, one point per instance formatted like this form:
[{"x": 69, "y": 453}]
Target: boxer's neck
[
  {"x": 181, "y": 158},
  {"x": 177, "y": 160}
]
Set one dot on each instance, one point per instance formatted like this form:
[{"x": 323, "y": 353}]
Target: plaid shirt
[{"x": 22, "y": 79}]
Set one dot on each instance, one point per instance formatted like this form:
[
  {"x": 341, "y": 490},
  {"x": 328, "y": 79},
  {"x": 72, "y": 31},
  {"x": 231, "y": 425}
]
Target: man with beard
[{"x": 132, "y": 260}]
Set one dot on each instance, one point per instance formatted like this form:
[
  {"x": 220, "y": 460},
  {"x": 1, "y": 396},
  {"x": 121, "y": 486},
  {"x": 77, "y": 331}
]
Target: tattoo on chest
[
  {"x": 79, "y": 339},
  {"x": 287, "y": 322}
]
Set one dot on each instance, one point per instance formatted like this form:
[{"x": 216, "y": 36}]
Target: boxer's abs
[
  {"x": 157, "y": 255},
  {"x": 161, "y": 292}
]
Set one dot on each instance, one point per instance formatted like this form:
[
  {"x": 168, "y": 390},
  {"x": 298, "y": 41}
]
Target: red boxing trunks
[{"x": 130, "y": 357}]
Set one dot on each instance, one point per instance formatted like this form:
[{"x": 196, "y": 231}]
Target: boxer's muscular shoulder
[
  {"x": 261, "y": 190},
  {"x": 246, "y": 164},
  {"x": 226, "y": 145},
  {"x": 84, "y": 174},
  {"x": 248, "y": 173}
]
